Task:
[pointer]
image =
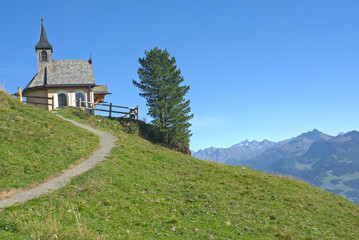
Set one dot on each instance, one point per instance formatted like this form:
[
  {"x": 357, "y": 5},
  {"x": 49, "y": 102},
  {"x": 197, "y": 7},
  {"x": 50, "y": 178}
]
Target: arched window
[
  {"x": 62, "y": 100},
  {"x": 80, "y": 96},
  {"x": 43, "y": 56}
]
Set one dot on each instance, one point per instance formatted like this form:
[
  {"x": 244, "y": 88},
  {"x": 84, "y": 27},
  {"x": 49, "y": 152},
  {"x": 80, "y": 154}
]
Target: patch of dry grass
[{"x": 2, "y": 87}]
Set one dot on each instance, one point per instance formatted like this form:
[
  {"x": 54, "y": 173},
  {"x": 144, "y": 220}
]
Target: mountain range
[{"x": 331, "y": 163}]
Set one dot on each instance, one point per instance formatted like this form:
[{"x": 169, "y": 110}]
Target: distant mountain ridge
[
  {"x": 246, "y": 150},
  {"x": 272, "y": 159},
  {"x": 237, "y": 153},
  {"x": 331, "y": 163}
]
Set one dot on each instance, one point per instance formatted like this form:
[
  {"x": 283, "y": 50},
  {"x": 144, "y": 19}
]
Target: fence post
[
  {"x": 53, "y": 103},
  {"x": 137, "y": 111},
  {"x": 110, "y": 109},
  {"x": 19, "y": 94}
]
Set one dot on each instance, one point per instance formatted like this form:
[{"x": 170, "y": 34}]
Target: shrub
[
  {"x": 77, "y": 112},
  {"x": 132, "y": 128}
]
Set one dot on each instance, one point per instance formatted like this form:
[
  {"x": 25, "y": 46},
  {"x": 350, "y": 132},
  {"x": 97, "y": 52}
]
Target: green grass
[
  {"x": 35, "y": 144},
  {"x": 144, "y": 191}
]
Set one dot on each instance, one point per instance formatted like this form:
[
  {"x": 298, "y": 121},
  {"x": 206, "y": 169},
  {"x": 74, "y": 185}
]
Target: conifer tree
[{"x": 159, "y": 84}]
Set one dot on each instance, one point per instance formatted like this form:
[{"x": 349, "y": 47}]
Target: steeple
[
  {"x": 43, "y": 43},
  {"x": 43, "y": 50}
]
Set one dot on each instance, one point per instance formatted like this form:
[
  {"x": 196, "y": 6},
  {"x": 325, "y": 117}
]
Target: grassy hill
[
  {"x": 35, "y": 144},
  {"x": 145, "y": 191}
]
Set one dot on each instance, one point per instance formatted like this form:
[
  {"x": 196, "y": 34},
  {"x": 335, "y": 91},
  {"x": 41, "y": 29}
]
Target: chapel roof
[
  {"x": 100, "y": 89},
  {"x": 63, "y": 73}
]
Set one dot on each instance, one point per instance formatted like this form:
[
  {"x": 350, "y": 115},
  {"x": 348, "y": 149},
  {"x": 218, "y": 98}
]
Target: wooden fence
[
  {"x": 32, "y": 100},
  {"x": 35, "y": 100},
  {"x": 111, "y": 109}
]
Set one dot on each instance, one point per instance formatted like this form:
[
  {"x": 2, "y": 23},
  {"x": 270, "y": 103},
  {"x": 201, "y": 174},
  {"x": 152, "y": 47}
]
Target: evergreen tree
[{"x": 159, "y": 84}]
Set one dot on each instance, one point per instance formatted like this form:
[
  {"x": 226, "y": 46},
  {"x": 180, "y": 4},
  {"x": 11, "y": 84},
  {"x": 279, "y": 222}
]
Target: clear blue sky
[{"x": 258, "y": 69}]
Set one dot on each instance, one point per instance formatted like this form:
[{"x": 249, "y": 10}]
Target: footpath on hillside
[{"x": 107, "y": 142}]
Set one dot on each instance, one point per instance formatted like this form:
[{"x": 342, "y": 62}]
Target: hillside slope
[
  {"x": 329, "y": 163},
  {"x": 145, "y": 191},
  {"x": 35, "y": 144}
]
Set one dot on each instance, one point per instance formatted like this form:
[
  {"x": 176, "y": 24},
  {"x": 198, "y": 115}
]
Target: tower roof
[{"x": 43, "y": 42}]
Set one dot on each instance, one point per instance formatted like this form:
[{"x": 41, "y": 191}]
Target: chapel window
[
  {"x": 80, "y": 96},
  {"x": 43, "y": 56},
  {"x": 62, "y": 100}
]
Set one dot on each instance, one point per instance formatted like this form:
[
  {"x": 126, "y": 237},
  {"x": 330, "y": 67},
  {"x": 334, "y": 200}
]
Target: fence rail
[
  {"x": 132, "y": 113},
  {"x": 31, "y": 100},
  {"x": 112, "y": 109}
]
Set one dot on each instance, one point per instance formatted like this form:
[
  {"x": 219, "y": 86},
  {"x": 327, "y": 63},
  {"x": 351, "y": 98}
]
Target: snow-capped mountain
[{"x": 237, "y": 153}]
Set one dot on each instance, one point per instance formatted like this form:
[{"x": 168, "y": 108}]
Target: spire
[{"x": 43, "y": 42}]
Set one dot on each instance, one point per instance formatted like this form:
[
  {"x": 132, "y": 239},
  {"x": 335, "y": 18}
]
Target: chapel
[{"x": 61, "y": 83}]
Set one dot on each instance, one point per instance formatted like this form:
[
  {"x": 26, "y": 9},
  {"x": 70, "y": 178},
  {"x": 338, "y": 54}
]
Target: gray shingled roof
[
  {"x": 43, "y": 42},
  {"x": 64, "y": 73},
  {"x": 100, "y": 89}
]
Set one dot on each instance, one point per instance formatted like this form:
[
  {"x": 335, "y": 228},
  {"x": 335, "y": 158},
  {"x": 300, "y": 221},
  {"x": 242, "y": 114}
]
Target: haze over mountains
[{"x": 331, "y": 163}]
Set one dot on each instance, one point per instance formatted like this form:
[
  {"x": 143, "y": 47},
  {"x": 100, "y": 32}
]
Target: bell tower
[{"x": 43, "y": 50}]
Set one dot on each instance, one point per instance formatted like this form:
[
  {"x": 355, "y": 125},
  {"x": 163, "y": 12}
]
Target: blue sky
[{"x": 257, "y": 69}]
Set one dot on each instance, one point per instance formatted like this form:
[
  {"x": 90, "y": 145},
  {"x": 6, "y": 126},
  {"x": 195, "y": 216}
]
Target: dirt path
[{"x": 107, "y": 142}]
